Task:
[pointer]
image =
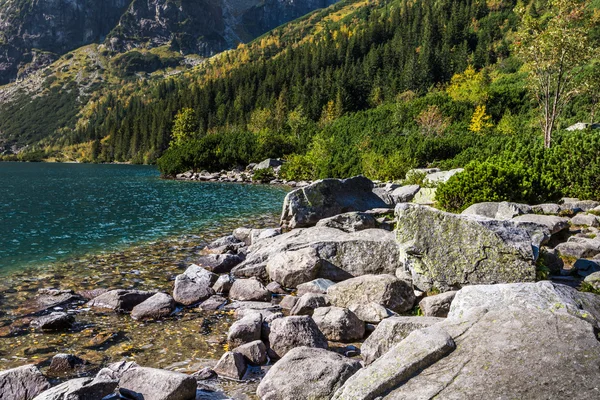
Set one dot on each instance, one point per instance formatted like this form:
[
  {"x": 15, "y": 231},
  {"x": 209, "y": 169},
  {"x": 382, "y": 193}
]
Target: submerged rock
[
  {"x": 56, "y": 321},
  {"x": 306, "y": 373},
  {"x": 446, "y": 251},
  {"x": 325, "y": 198}
]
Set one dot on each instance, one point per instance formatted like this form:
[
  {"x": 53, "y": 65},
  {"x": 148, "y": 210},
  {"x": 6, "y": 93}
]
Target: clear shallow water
[{"x": 53, "y": 212}]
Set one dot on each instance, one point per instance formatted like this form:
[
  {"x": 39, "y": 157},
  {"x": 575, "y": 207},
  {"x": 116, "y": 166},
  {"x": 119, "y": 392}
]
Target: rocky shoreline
[{"x": 366, "y": 292}]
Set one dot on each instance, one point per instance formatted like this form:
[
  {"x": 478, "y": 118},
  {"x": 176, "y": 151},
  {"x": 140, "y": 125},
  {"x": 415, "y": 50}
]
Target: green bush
[
  {"x": 482, "y": 182},
  {"x": 263, "y": 175}
]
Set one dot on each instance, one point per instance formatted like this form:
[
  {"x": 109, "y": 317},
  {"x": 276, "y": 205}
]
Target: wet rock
[
  {"x": 386, "y": 290},
  {"x": 343, "y": 255},
  {"x": 56, "y": 321},
  {"x": 65, "y": 363},
  {"x": 288, "y": 302},
  {"x": 120, "y": 300},
  {"x": 80, "y": 389},
  {"x": 308, "y": 302},
  {"x": 418, "y": 351},
  {"x": 446, "y": 251},
  {"x": 158, "y": 306},
  {"x": 306, "y": 373},
  {"x": 372, "y": 313},
  {"x": 220, "y": 263},
  {"x": 194, "y": 285},
  {"x": 318, "y": 285},
  {"x": 22, "y": 383},
  {"x": 438, "y": 305},
  {"x": 205, "y": 374},
  {"x": 245, "y": 330},
  {"x": 249, "y": 290},
  {"x": 296, "y": 331},
  {"x": 306, "y": 206},
  {"x": 157, "y": 384},
  {"x": 213, "y": 303},
  {"x": 223, "y": 284},
  {"x": 390, "y": 332},
  {"x": 91, "y": 294},
  {"x": 50, "y": 298},
  {"x": 292, "y": 268},
  {"x": 339, "y": 324},
  {"x": 276, "y": 288},
  {"x": 350, "y": 222},
  {"x": 231, "y": 365},
  {"x": 255, "y": 352}
]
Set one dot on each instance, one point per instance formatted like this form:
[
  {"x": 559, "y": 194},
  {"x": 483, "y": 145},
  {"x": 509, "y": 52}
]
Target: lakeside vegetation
[{"x": 378, "y": 88}]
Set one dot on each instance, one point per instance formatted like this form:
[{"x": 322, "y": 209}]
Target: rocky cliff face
[{"x": 33, "y": 33}]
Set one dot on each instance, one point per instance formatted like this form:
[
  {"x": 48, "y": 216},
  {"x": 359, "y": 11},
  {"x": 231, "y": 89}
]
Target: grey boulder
[
  {"x": 308, "y": 302},
  {"x": 372, "y": 313},
  {"x": 585, "y": 220},
  {"x": 497, "y": 210},
  {"x": 304, "y": 207},
  {"x": 22, "y": 383},
  {"x": 318, "y": 285},
  {"x": 404, "y": 194},
  {"x": 306, "y": 373},
  {"x": 220, "y": 263},
  {"x": 245, "y": 330},
  {"x": 56, "y": 321},
  {"x": 438, "y": 305},
  {"x": 255, "y": 352},
  {"x": 231, "y": 365},
  {"x": 157, "y": 384},
  {"x": 390, "y": 332},
  {"x": 385, "y": 290},
  {"x": 297, "y": 331},
  {"x": 350, "y": 222},
  {"x": 194, "y": 285},
  {"x": 339, "y": 324},
  {"x": 292, "y": 268},
  {"x": 446, "y": 251},
  {"x": 249, "y": 290},
  {"x": 158, "y": 306},
  {"x": 120, "y": 300},
  {"x": 80, "y": 389}
]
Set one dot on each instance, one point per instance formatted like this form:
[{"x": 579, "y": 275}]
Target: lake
[{"x": 54, "y": 212}]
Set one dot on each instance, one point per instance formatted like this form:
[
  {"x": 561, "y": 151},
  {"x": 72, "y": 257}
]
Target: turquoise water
[{"x": 51, "y": 212}]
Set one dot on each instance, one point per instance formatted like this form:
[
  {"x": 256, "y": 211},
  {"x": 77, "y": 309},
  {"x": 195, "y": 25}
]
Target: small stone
[
  {"x": 65, "y": 363},
  {"x": 120, "y": 300},
  {"x": 157, "y": 384},
  {"x": 205, "y": 374},
  {"x": 372, "y": 312},
  {"x": 223, "y": 284},
  {"x": 194, "y": 285},
  {"x": 291, "y": 332},
  {"x": 231, "y": 365}
]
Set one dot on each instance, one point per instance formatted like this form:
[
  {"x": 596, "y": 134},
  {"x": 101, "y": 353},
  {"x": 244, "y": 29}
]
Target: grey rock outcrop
[
  {"x": 447, "y": 251},
  {"x": 120, "y": 300},
  {"x": 339, "y": 324},
  {"x": 22, "y": 383},
  {"x": 158, "y": 306},
  {"x": 435, "y": 178},
  {"x": 325, "y": 198},
  {"x": 342, "y": 255},
  {"x": 291, "y": 332},
  {"x": 315, "y": 374},
  {"x": 390, "y": 332},
  {"x": 386, "y": 290},
  {"x": 157, "y": 384},
  {"x": 194, "y": 285}
]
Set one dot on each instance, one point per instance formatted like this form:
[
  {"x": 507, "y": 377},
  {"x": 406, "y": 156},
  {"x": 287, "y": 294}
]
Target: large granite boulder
[
  {"x": 306, "y": 373},
  {"x": 245, "y": 330},
  {"x": 22, "y": 383},
  {"x": 292, "y": 268},
  {"x": 157, "y": 384},
  {"x": 158, "y": 306},
  {"x": 419, "y": 350},
  {"x": 497, "y": 210},
  {"x": 342, "y": 255},
  {"x": 249, "y": 290},
  {"x": 446, "y": 251},
  {"x": 291, "y": 332},
  {"x": 339, "y": 324},
  {"x": 325, "y": 198},
  {"x": 194, "y": 285},
  {"x": 120, "y": 300},
  {"x": 390, "y": 332},
  {"x": 386, "y": 290}
]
